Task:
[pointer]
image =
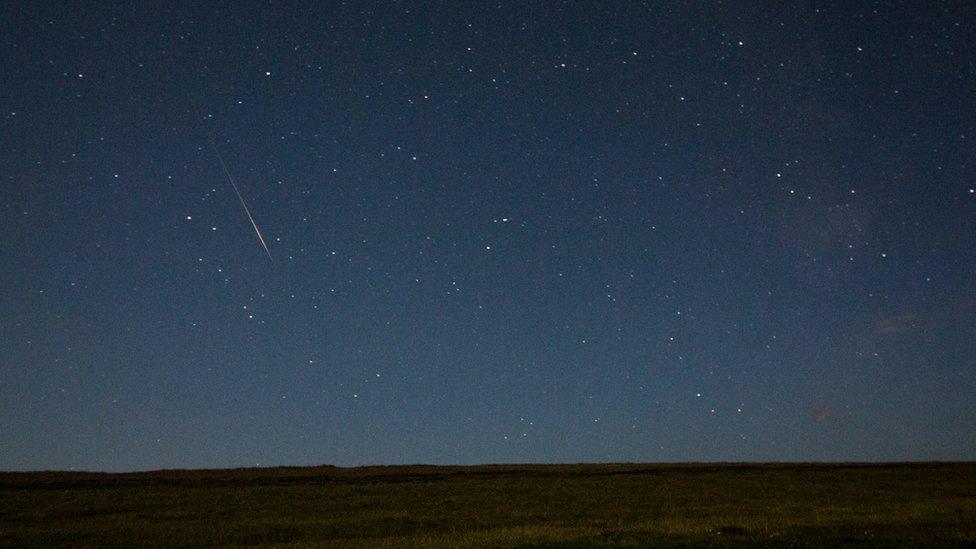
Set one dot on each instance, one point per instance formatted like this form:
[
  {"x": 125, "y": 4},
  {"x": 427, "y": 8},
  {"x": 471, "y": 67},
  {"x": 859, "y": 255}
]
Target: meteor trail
[{"x": 241, "y": 198}]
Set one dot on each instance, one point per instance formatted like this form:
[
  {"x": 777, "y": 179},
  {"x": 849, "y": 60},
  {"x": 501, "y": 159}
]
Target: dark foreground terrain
[{"x": 534, "y": 505}]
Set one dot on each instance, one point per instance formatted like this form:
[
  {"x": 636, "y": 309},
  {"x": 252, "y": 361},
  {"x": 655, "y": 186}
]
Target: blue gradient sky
[{"x": 516, "y": 232}]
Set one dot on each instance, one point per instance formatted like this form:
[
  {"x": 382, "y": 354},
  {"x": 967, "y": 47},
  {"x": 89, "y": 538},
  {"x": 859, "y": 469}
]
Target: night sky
[{"x": 517, "y": 232}]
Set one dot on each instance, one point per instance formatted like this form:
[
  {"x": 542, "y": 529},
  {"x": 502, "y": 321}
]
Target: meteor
[{"x": 250, "y": 218}]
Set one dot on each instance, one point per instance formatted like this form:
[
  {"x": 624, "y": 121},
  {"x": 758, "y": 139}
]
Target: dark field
[{"x": 532, "y": 505}]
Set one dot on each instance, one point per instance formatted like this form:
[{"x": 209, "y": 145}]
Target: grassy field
[{"x": 500, "y": 505}]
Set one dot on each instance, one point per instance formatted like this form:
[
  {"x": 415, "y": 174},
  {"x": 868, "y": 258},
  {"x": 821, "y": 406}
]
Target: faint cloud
[
  {"x": 819, "y": 411},
  {"x": 896, "y": 324}
]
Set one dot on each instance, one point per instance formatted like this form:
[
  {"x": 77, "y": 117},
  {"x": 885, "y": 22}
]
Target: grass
[{"x": 927, "y": 504}]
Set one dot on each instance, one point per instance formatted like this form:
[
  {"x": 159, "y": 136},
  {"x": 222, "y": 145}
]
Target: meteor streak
[{"x": 241, "y": 198}]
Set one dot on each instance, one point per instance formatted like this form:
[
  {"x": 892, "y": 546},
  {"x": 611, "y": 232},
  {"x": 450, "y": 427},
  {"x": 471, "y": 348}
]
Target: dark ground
[{"x": 533, "y": 505}]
